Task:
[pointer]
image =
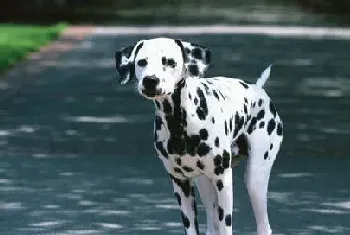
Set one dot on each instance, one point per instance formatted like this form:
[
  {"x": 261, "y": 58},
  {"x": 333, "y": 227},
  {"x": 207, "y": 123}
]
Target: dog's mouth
[{"x": 151, "y": 93}]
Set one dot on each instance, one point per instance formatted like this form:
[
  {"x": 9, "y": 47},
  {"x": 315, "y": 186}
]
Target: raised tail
[{"x": 263, "y": 77}]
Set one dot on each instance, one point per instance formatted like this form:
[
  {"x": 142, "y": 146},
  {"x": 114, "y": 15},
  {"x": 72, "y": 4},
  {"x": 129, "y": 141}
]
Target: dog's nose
[{"x": 150, "y": 82}]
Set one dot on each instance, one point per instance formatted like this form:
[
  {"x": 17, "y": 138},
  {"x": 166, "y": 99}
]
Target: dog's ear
[
  {"x": 196, "y": 58},
  {"x": 125, "y": 61}
]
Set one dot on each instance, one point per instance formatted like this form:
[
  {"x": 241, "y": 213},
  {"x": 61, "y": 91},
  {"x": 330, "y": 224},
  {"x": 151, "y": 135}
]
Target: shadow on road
[{"x": 115, "y": 195}]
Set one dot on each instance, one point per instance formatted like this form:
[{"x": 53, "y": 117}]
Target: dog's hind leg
[
  {"x": 261, "y": 156},
  {"x": 209, "y": 200}
]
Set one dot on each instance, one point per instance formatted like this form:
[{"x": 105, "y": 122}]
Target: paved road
[{"x": 77, "y": 156}]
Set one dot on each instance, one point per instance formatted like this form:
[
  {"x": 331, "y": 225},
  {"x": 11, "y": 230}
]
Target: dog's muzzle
[{"x": 150, "y": 88}]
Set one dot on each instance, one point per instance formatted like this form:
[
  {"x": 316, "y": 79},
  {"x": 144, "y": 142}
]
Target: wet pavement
[{"x": 76, "y": 153}]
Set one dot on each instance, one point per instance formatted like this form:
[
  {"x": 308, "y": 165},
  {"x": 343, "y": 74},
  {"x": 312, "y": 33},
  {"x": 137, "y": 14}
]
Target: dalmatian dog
[{"x": 201, "y": 125}]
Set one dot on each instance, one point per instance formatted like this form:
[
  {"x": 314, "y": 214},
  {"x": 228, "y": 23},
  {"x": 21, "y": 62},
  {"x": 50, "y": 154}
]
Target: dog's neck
[
  {"x": 170, "y": 112},
  {"x": 170, "y": 107}
]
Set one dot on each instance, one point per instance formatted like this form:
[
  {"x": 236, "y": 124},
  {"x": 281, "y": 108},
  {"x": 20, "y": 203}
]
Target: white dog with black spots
[{"x": 201, "y": 125}]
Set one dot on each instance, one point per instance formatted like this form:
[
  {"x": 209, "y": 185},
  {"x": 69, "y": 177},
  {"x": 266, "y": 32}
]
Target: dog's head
[{"x": 160, "y": 64}]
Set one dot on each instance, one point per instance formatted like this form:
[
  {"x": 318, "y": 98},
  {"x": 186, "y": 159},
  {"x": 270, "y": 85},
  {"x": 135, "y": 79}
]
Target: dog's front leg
[
  {"x": 184, "y": 192},
  {"x": 223, "y": 186}
]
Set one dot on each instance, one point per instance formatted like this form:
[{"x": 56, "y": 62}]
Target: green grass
[{"x": 16, "y": 41}]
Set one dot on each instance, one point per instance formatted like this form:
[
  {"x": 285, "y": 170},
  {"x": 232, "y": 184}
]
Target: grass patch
[{"x": 16, "y": 41}]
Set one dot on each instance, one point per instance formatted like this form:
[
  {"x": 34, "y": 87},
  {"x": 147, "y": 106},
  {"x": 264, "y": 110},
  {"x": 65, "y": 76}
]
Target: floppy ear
[
  {"x": 125, "y": 62},
  {"x": 196, "y": 58}
]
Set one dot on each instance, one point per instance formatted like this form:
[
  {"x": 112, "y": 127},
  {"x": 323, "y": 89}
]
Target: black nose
[{"x": 150, "y": 82}]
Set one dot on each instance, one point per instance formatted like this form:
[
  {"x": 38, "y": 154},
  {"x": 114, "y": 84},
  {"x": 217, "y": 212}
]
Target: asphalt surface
[{"x": 76, "y": 153}]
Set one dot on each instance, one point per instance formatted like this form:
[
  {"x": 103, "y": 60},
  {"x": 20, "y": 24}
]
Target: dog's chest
[
  {"x": 182, "y": 152},
  {"x": 182, "y": 142}
]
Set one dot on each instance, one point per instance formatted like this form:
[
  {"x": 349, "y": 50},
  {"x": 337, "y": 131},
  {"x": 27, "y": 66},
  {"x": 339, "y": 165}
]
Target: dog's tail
[{"x": 263, "y": 77}]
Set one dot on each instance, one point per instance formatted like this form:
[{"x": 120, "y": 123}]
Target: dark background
[{"x": 286, "y": 12}]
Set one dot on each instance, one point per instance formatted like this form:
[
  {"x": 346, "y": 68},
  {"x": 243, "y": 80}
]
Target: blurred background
[
  {"x": 177, "y": 12},
  {"x": 76, "y": 151}
]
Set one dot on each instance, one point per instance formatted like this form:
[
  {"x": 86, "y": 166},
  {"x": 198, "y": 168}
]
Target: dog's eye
[
  {"x": 164, "y": 61},
  {"x": 171, "y": 63},
  {"x": 142, "y": 62}
]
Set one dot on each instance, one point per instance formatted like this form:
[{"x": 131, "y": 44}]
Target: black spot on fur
[
  {"x": 271, "y": 146},
  {"x": 185, "y": 220},
  {"x": 217, "y": 142},
  {"x": 262, "y": 125},
  {"x": 184, "y": 51},
  {"x": 178, "y": 161},
  {"x": 253, "y": 104},
  {"x": 225, "y": 159},
  {"x": 195, "y": 100},
  {"x": 219, "y": 184},
  {"x": 160, "y": 147},
  {"x": 221, "y": 95},
  {"x": 226, "y": 130},
  {"x": 260, "y": 102},
  {"x": 203, "y": 149},
  {"x": 202, "y": 109},
  {"x": 279, "y": 129},
  {"x": 252, "y": 125},
  {"x": 190, "y": 96},
  {"x": 197, "y": 53},
  {"x": 242, "y": 145},
  {"x": 203, "y": 134},
  {"x": 245, "y": 100},
  {"x": 166, "y": 107},
  {"x": 164, "y": 61},
  {"x": 239, "y": 122},
  {"x": 206, "y": 88},
  {"x": 271, "y": 126},
  {"x": 266, "y": 155},
  {"x": 138, "y": 48},
  {"x": 125, "y": 69},
  {"x": 244, "y": 85},
  {"x": 216, "y": 95},
  {"x": 158, "y": 122},
  {"x": 192, "y": 144},
  {"x": 228, "y": 220},
  {"x": 193, "y": 70},
  {"x": 272, "y": 109},
  {"x": 183, "y": 184},
  {"x": 200, "y": 165},
  {"x": 177, "y": 170},
  {"x": 213, "y": 120},
  {"x": 260, "y": 114},
  {"x": 219, "y": 170},
  {"x": 245, "y": 109},
  {"x": 187, "y": 169},
  {"x": 217, "y": 160},
  {"x": 178, "y": 198},
  {"x": 221, "y": 213}
]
